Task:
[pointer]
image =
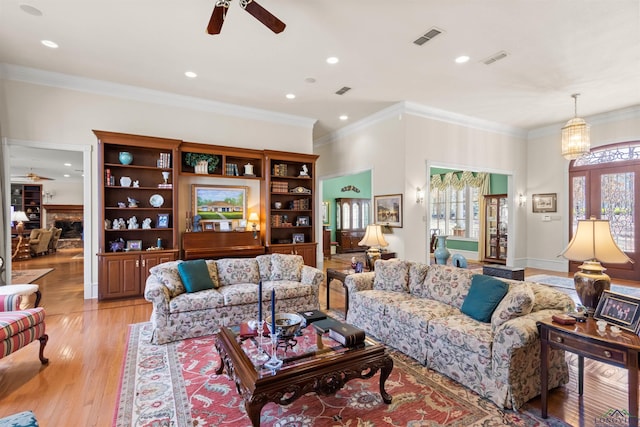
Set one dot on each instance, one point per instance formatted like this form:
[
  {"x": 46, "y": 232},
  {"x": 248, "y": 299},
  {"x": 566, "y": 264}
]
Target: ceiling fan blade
[
  {"x": 217, "y": 17},
  {"x": 263, "y": 15}
]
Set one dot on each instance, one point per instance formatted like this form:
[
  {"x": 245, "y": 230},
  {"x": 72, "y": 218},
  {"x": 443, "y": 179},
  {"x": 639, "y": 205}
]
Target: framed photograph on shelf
[
  {"x": 163, "y": 221},
  {"x": 388, "y": 210},
  {"x": 298, "y": 238},
  {"x": 325, "y": 213},
  {"x": 545, "y": 203},
  {"x": 134, "y": 245},
  {"x": 303, "y": 221},
  {"x": 620, "y": 310},
  {"x": 219, "y": 202}
]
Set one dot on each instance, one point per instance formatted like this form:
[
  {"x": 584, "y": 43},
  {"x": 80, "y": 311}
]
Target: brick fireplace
[{"x": 70, "y": 219}]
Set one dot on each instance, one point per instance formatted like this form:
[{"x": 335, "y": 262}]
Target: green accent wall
[{"x": 332, "y": 189}]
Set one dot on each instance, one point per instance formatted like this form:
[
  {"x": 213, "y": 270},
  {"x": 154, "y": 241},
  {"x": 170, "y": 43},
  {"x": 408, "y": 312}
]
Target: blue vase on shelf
[
  {"x": 441, "y": 254},
  {"x": 125, "y": 157}
]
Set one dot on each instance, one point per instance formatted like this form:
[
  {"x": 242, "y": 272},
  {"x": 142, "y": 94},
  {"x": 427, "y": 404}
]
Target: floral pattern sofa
[
  {"x": 416, "y": 308},
  {"x": 178, "y": 314}
]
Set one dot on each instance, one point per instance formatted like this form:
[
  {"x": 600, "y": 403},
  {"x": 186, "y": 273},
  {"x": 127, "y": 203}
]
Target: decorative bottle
[{"x": 441, "y": 254}]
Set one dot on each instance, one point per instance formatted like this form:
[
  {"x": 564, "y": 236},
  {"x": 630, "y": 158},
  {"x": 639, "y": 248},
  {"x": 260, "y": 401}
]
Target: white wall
[{"x": 51, "y": 113}]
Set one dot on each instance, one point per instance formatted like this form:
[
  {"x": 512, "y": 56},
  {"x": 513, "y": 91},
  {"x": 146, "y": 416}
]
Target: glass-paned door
[{"x": 604, "y": 188}]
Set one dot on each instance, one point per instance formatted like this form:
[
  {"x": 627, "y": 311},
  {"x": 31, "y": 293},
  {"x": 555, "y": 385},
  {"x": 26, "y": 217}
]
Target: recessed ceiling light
[
  {"x": 310, "y": 80},
  {"x": 49, "y": 43},
  {"x": 190, "y": 74},
  {"x": 344, "y": 117},
  {"x": 27, "y": 8},
  {"x": 67, "y": 164},
  {"x": 66, "y": 175},
  {"x": 333, "y": 60},
  {"x": 291, "y": 96},
  {"x": 462, "y": 59}
]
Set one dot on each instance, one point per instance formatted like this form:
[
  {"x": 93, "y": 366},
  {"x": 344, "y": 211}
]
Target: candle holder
[
  {"x": 261, "y": 356},
  {"x": 274, "y": 363}
]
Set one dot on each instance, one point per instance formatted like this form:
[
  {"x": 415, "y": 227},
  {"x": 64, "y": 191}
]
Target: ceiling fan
[
  {"x": 257, "y": 11},
  {"x": 32, "y": 177}
]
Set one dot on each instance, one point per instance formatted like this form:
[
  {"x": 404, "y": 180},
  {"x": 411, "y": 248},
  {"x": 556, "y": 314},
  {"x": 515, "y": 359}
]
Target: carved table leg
[
  {"x": 253, "y": 411},
  {"x": 384, "y": 374},
  {"x": 43, "y": 342}
]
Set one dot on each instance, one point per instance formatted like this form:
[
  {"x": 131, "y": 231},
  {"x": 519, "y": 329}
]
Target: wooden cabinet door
[
  {"x": 306, "y": 250},
  {"x": 151, "y": 259},
  {"x": 119, "y": 276}
]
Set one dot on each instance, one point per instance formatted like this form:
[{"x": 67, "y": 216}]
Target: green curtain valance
[{"x": 451, "y": 179}]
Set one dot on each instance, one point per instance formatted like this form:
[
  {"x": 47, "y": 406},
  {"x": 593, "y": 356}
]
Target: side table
[
  {"x": 20, "y": 248},
  {"x": 339, "y": 275},
  {"x": 585, "y": 340}
]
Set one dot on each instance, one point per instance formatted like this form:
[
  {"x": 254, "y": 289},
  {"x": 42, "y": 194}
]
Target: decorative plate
[{"x": 156, "y": 200}]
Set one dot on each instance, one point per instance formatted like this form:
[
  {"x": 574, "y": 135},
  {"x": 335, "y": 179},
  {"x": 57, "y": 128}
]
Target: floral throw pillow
[
  {"x": 286, "y": 267},
  {"x": 169, "y": 276},
  {"x": 518, "y": 302},
  {"x": 232, "y": 271},
  {"x": 391, "y": 275}
]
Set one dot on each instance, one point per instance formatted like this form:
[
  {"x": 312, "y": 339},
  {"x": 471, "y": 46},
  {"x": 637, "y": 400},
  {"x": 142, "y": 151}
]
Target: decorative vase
[
  {"x": 125, "y": 157},
  {"x": 441, "y": 253}
]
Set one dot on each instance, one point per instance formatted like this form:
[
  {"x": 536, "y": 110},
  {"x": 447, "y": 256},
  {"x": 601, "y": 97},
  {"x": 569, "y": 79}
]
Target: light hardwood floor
[{"x": 87, "y": 341}]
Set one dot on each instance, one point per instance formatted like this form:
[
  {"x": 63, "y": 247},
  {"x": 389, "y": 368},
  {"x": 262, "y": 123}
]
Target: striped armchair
[{"x": 20, "y": 327}]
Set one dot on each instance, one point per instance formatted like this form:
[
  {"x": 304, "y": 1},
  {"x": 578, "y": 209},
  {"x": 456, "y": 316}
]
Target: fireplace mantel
[{"x": 64, "y": 208}]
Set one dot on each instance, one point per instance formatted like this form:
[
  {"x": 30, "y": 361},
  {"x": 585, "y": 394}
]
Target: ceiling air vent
[
  {"x": 343, "y": 90},
  {"x": 494, "y": 58},
  {"x": 429, "y": 35}
]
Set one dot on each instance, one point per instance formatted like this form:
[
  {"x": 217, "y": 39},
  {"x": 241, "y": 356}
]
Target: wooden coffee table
[{"x": 306, "y": 368}]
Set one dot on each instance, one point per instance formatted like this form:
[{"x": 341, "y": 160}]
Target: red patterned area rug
[{"x": 175, "y": 385}]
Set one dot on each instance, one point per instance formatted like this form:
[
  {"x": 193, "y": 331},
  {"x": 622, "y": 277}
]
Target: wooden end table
[
  {"x": 584, "y": 340},
  {"x": 307, "y": 368}
]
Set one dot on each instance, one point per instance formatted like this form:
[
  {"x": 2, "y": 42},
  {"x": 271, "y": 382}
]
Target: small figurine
[
  {"x": 196, "y": 223},
  {"x": 133, "y": 203},
  {"x": 117, "y": 245},
  {"x": 146, "y": 224},
  {"x": 121, "y": 205},
  {"x": 304, "y": 171},
  {"x": 136, "y": 183},
  {"x": 353, "y": 263},
  {"x": 132, "y": 223},
  {"x": 107, "y": 224}
]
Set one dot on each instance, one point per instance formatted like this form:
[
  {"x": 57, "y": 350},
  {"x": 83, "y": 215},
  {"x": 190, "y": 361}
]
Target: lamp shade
[
  {"x": 373, "y": 237},
  {"x": 253, "y": 217},
  {"x": 593, "y": 241},
  {"x": 19, "y": 216}
]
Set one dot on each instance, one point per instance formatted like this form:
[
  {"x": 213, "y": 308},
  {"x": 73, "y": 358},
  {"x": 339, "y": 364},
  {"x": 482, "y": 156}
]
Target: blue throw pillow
[
  {"x": 195, "y": 275},
  {"x": 485, "y": 294}
]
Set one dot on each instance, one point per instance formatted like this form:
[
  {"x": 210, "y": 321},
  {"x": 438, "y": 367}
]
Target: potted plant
[{"x": 196, "y": 160}]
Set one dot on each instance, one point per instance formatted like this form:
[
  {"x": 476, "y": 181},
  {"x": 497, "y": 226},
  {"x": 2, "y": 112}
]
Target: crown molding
[
  {"x": 105, "y": 88},
  {"x": 412, "y": 108},
  {"x": 628, "y": 113}
]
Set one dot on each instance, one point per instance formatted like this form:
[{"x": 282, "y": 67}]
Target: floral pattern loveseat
[
  {"x": 178, "y": 314},
  {"x": 416, "y": 308}
]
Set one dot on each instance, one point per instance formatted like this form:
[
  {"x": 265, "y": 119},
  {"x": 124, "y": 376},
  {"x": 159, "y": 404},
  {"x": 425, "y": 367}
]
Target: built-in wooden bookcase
[
  {"x": 288, "y": 204},
  {"x": 28, "y": 198},
  {"x": 135, "y": 190}
]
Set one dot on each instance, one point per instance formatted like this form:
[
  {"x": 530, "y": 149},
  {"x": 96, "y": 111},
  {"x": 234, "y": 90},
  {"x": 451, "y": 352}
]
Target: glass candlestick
[
  {"x": 165, "y": 176},
  {"x": 274, "y": 363},
  {"x": 261, "y": 356}
]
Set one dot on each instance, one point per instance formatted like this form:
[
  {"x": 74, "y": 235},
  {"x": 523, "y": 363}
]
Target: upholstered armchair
[
  {"x": 19, "y": 328},
  {"x": 40, "y": 244},
  {"x": 55, "y": 236}
]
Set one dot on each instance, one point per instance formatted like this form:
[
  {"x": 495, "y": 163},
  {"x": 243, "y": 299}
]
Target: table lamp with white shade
[
  {"x": 374, "y": 239},
  {"x": 20, "y": 217},
  {"x": 253, "y": 219},
  {"x": 593, "y": 244}
]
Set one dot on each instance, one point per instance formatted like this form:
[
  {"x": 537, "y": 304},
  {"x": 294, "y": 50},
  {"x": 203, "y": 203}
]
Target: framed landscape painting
[
  {"x": 219, "y": 202},
  {"x": 388, "y": 210}
]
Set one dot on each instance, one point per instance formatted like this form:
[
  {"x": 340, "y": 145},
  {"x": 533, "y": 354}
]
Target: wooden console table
[
  {"x": 20, "y": 248},
  {"x": 221, "y": 244},
  {"x": 584, "y": 340}
]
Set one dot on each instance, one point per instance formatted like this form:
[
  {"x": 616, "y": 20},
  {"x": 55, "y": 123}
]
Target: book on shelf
[{"x": 346, "y": 334}]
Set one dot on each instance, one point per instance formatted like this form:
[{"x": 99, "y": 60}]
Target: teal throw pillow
[
  {"x": 484, "y": 295},
  {"x": 195, "y": 275}
]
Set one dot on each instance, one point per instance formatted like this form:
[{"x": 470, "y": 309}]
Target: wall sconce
[
  {"x": 253, "y": 219},
  {"x": 522, "y": 200},
  {"x": 419, "y": 195}
]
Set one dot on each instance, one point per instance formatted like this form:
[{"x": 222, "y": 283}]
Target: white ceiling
[{"x": 555, "y": 48}]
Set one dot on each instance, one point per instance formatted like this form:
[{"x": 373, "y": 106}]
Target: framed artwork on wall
[
  {"x": 325, "y": 213},
  {"x": 219, "y": 202},
  {"x": 388, "y": 210},
  {"x": 545, "y": 202}
]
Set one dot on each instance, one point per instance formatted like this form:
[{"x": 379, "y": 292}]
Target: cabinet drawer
[{"x": 587, "y": 349}]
